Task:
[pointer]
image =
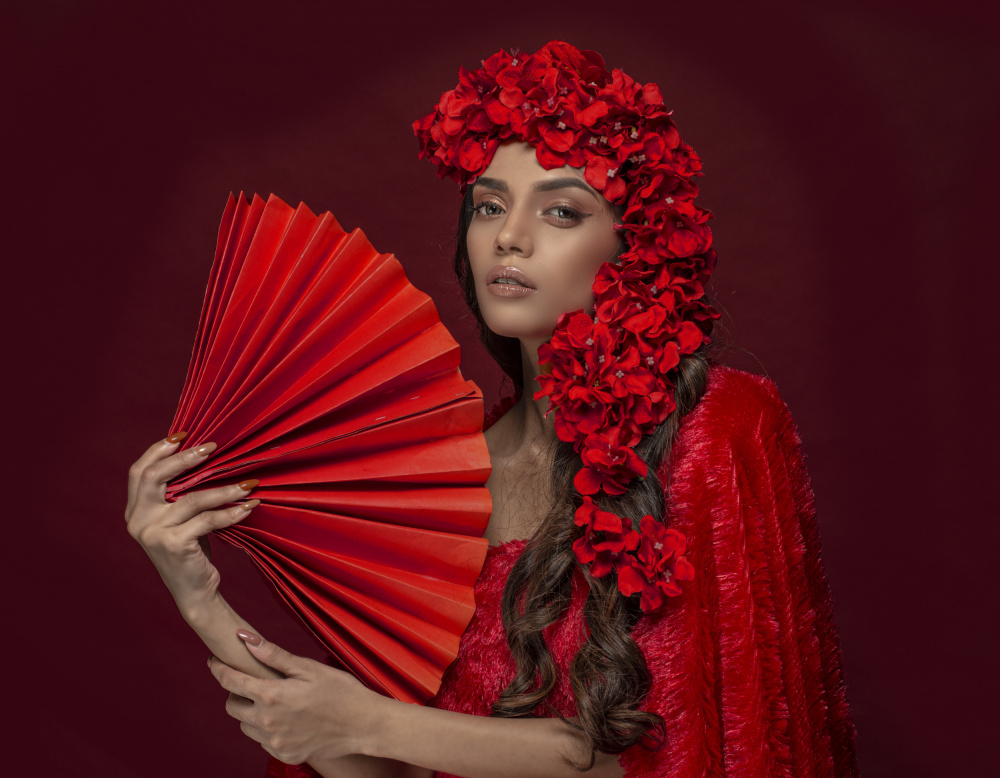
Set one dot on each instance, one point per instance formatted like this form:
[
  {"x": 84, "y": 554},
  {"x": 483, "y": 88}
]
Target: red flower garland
[{"x": 608, "y": 377}]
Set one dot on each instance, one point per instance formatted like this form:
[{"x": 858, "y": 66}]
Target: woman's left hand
[{"x": 315, "y": 713}]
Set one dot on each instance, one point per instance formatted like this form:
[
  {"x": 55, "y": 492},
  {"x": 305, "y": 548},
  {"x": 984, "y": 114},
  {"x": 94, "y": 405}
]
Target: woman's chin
[{"x": 522, "y": 331}]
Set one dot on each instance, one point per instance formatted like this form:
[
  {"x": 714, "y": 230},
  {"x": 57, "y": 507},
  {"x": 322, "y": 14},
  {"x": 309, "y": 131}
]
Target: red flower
[
  {"x": 598, "y": 345},
  {"x": 600, "y": 174},
  {"x": 588, "y": 115},
  {"x": 650, "y": 410},
  {"x": 688, "y": 337},
  {"x": 584, "y": 412},
  {"x": 496, "y": 111},
  {"x": 657, "y": 567},
  {"x": 472, "y": 154},
  {"x": 614, "y": 280},
  {"x": 608, "y": 465},
  {"x": 647, "y": 319},
  {"x": 663, "y": 358},
  {"x": 651, "y": 94},
  {"x": 602, "y": 551},
  {"x": 556, "y": 137},
  {"x": 630, "y": 301},
  {"x": 627, "y": 375}
]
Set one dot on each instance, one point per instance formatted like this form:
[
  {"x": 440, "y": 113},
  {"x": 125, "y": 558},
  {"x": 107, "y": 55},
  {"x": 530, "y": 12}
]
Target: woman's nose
[{"x": 514, "y": 235}]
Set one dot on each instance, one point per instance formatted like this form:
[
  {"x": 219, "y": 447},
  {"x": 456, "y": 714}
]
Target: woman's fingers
[
  {"x": 159, "y": 450},
  {"x": 235, "y": 682},
  {"x": 208, "y": 521},
  {"x": 240, "y": 708},
  {"x": 173, "y": 533},
  {"x": 154, "y": 477},
  {"x": 289, "y": 665},
  {"x": 315, "y": 711},
  {"x": 191, "y": 504}
]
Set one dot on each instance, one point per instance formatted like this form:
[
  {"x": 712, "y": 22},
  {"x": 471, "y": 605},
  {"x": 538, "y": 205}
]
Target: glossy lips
[{"x": 506, "y": 281}]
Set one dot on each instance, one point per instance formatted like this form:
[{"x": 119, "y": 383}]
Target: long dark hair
[{"x": 608, "y": 675}]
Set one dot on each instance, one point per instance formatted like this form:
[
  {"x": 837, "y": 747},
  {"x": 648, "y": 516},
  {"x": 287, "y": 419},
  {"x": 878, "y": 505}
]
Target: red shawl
[{"x": 746, "y": 663}]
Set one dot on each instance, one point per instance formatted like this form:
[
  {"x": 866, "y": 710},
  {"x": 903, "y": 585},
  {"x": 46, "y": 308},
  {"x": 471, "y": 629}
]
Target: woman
[{"x": 634, "y": 468}]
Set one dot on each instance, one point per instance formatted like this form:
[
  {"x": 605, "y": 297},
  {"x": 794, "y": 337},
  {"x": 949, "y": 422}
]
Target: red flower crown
[{"x": 610, "y": 378}]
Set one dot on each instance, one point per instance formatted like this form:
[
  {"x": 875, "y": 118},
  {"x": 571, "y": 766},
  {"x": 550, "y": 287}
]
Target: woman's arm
[
  {"x": 484, "y": 747},
  {"x": 173, "y": 535},
  {"x": 319, "y": 714}
]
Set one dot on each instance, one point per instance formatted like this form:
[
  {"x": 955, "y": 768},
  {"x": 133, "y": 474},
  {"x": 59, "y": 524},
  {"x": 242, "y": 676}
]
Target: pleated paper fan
[{"x": 320, "y": 370}]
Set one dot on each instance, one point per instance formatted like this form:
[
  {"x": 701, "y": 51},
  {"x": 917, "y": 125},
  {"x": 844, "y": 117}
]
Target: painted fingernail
[
  {"x": 249, "y": 506},
  {"x": 249, "y": 637},
  {"x": 205, "y": 449},
  {"x": 248, "y": 484},
  {"x": 177, "y": 437}
]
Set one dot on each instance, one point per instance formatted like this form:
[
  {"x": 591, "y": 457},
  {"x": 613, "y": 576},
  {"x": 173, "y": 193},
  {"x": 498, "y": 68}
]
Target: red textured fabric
[{"x": 746, "y": 664}]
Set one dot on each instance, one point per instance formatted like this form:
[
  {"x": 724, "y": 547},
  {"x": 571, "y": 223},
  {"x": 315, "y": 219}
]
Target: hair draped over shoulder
[{"x": 608, "y": 374}]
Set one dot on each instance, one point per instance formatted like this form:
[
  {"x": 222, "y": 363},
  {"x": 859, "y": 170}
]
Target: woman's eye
[
  {"x": 565, "y": 214},
  {"x": 487, "y": 209}
]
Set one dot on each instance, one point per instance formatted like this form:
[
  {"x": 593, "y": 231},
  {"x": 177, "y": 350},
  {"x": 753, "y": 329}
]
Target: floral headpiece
[{"x": 609, "y": 381}]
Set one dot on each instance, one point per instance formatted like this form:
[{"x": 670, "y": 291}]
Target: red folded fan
[{"x": 320, "y": 370}]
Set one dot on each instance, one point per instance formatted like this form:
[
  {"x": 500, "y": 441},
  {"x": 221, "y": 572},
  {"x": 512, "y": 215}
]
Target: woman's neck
[{"x": 532, "y": 428}]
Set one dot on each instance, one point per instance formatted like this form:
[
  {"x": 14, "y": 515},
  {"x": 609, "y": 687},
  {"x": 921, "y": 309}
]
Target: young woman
[{"x": 653, "y": 601}]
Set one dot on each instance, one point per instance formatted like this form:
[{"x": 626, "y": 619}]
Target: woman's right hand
[{"x": 174, "y": 534}]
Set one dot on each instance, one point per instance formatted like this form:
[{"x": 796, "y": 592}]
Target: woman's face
[{"x": 536, "y": 240}]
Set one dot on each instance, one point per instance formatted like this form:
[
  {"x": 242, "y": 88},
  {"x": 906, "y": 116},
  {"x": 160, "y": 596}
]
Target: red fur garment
[{"x": 746, "y": 663}]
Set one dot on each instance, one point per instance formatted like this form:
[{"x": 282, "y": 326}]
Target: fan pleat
[
  {"x": 340, "y": 369},
  {"x": 321, "y": 371},
  {"x": 432, "y": 507},
  {"x": 259, "y": 273},
  {"x": 238, "y": 216},
  {"x": 271, "y": 335},
  {"x": 332, "y": 627},
  {"x": 313, "y": 458},
  {"x": 355, "y": 621},
  {"x": 241, "y": 281},
  {"x": 409, "y": 610}
]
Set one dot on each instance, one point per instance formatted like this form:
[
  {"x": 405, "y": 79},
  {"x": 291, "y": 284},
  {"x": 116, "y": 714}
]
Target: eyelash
[
  {"x": 573, "y": 215},
  {"x": 477, "y": 209}
]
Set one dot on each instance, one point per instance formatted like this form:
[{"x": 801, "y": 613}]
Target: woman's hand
[
  {"x": 314, "y": 714},
  {"x": 173, "y": 534}
]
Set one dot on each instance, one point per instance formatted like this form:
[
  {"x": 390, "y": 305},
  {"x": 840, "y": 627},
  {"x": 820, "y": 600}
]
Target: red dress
[{"x": 745, "y": 664}]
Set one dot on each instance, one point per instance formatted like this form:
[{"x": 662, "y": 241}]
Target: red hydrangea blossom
[
  {"x": 657, "y": 567},
  {"x": 606, "y": 539},
  {"x": 609, "y": 464},
  {"x": 608, "y": 372}
]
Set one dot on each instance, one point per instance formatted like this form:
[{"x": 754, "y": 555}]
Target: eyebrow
[{"x": 549, "y": 185}]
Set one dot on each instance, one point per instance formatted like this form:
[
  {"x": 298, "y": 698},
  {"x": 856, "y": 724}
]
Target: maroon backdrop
[{"x": 846, "y": 147}]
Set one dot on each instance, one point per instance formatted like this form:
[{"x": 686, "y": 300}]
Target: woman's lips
[{"x": 506, "y": 281}]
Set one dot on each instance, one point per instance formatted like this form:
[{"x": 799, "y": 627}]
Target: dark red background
[{"x": 848, "y": 148}]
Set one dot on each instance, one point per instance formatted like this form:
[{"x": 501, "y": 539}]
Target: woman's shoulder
[
  {"x": 737, "y": 401},
  {"x": 739, "y": 411},
  {"x": 734, "y": 394}
]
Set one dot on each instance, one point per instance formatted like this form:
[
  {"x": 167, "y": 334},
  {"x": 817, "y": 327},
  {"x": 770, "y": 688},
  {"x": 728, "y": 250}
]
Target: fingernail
[
  {"x": 177, "y": 437},
  {"x": 249, "y": 637},
  {"x": 205, "y": 449},
  {"x": 249, "y": 506},
  {"x": 248, "y": 484},
  {"x": 210, "y": 663}
]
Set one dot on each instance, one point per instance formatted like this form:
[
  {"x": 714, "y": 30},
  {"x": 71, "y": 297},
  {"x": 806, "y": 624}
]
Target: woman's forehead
[
  {"x": 517, "y": 158},
  {"x": 515, "y": 166}
]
